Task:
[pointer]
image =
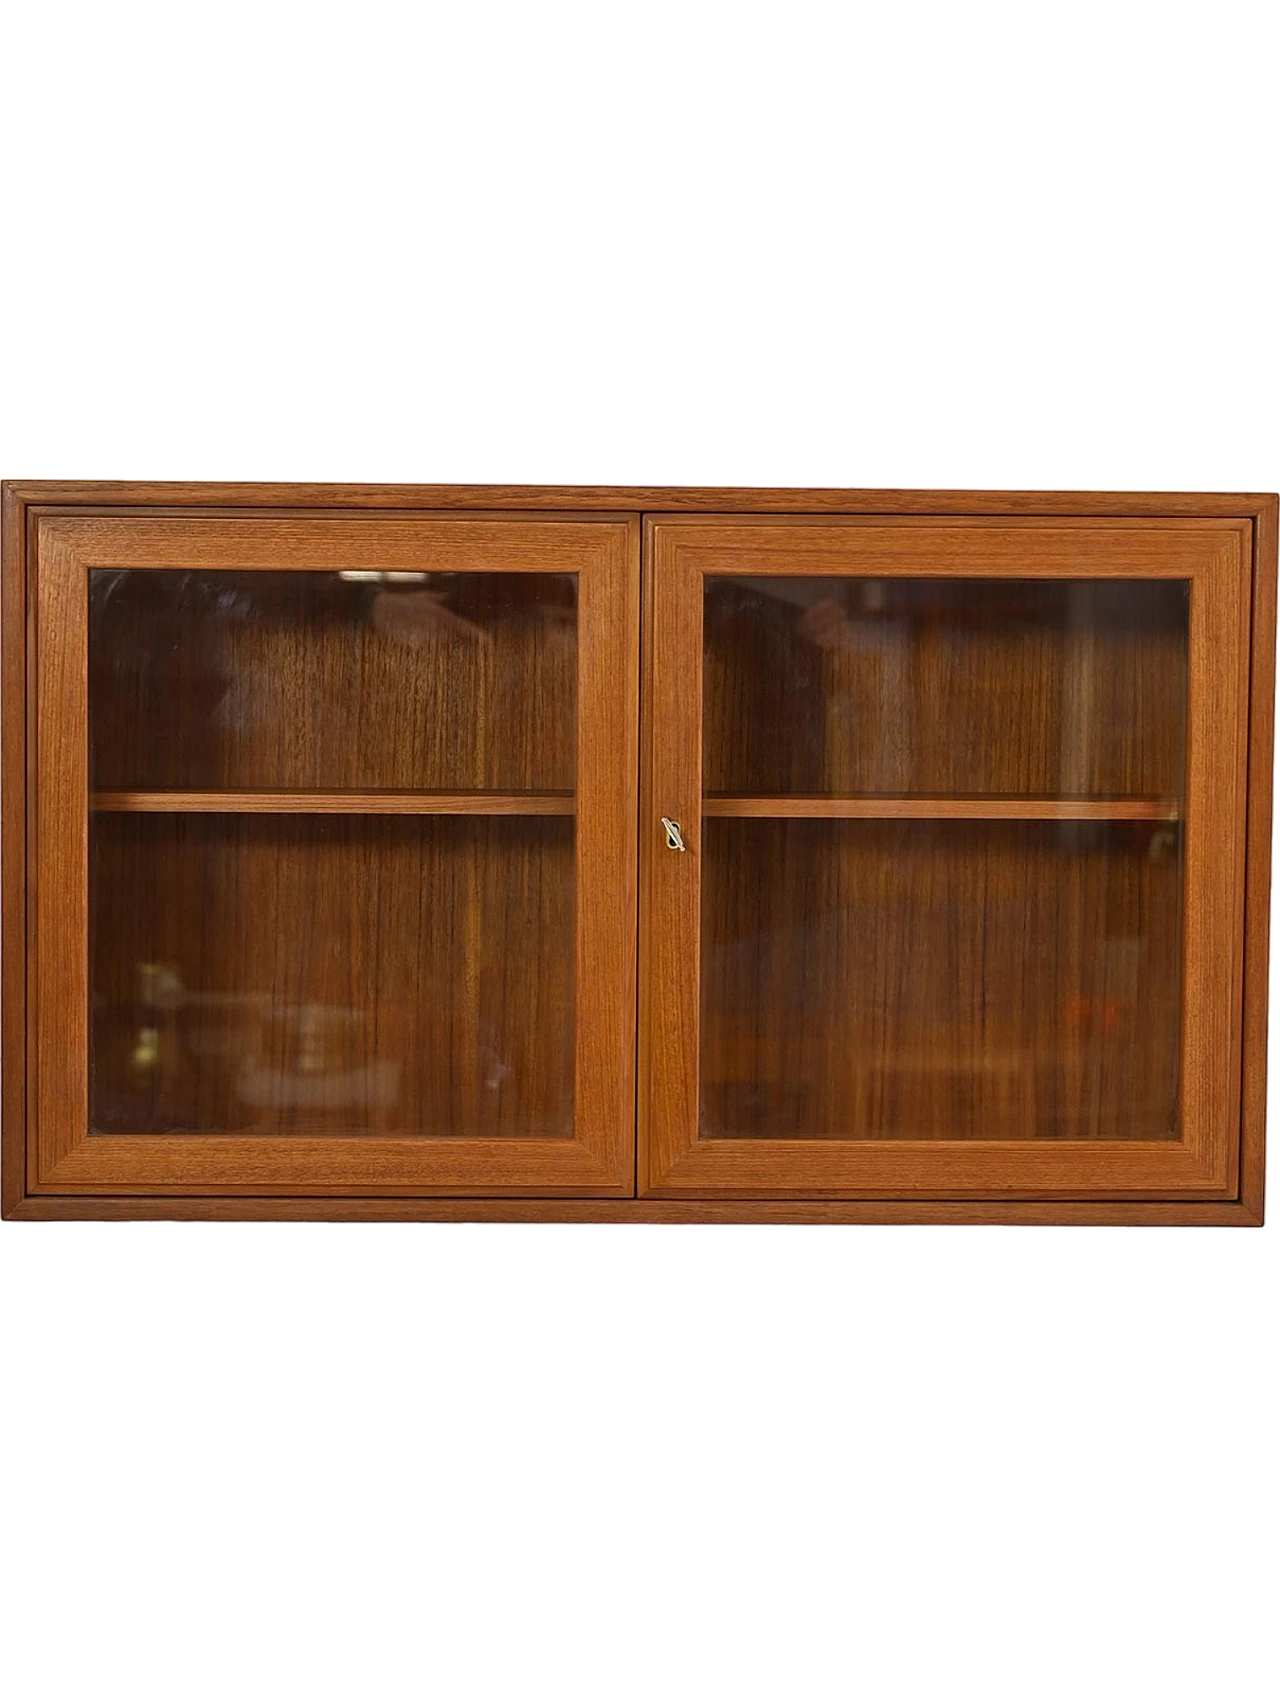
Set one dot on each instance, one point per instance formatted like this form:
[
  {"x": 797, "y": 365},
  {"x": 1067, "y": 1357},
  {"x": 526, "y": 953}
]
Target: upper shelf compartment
[
  {"x": 862, "y": 686},
  {"x": 259, "y": 680}
]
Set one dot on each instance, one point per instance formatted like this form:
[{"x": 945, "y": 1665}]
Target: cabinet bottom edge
[{"x": 647, "y": 1210}]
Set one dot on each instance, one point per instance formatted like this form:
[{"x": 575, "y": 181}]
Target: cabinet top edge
[{"x": 664, "y": 499}]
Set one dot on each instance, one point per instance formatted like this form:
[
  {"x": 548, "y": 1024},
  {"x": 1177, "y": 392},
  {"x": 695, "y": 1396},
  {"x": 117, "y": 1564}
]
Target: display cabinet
[{"x": 673, "y": 855}]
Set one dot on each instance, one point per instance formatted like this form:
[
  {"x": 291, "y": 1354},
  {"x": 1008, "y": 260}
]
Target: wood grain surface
[
  {"x": 350, "y": 975},
  {"x": 949, "y": 979},
  {"x": 388, "y": 801},
  {"x": 1262, "y": 706},
  {"x": 862, "y": 685},
  {"x": 161, "y": 1206},
  {"x": 964, "y": 1117},
  {"x": 438, "y": 1001},
  {"x": 13, "y": 849},
  {"x": 381, "y": 1176},
  {"x": 919, "y": 806},
  {"x": 243, "y": 680},
  {"x": 311, "y": 496}
]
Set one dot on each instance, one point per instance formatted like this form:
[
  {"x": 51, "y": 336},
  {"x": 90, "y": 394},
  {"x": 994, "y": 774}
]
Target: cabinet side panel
[
  {"x": 1262, "y": 688},
  {"x": 13, "y": 811}
]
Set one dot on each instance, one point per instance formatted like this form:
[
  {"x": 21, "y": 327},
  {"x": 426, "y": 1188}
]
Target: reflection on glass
[
  {"x": 314, "y": 680},
  {"x": 858, "y": 685},
  {"x": 331, "y": 974}
]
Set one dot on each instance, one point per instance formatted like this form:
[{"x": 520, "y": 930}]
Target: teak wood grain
[
  {"x": 494, "y": 809},
  {"x": 374, "y": 976},
  {"x": 787, "y": 500},
  {"x": 402, "y": 802},
  {"x": 868, "y": 937},
  {"x": 916, "y": 806},
  {"x": 641, "y": 1210},
  {"x": 453, "y": 682},
  {"x": 929, "y": 685},
  {"x": 13, "y": 849},
  {"x": 1253, "y": 1053},
  {"x": 978, "y": 1156},
  {"x": 445, "y": 898}
]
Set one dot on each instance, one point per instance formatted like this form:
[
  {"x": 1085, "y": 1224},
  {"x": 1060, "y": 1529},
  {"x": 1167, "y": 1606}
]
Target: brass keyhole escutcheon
[{"x": 675, "y": 841}]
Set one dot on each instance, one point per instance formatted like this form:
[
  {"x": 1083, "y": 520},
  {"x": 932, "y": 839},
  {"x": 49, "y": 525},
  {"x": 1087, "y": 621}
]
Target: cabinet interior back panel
[
  {"x": 850, "y": 685},
  {"x": 337, "y": 974},
  {"x": 239, "y": 679},
  {"x": 945, "y": 979}
]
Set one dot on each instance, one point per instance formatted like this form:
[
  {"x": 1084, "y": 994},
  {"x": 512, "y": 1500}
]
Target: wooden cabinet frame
[{"x": 1224, "y": 545}]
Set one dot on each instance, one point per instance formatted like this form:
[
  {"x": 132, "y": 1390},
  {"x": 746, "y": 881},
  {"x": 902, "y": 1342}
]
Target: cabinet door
[
  {"x": 335, "y": 855},
  {"x": 958, "y": 909}
]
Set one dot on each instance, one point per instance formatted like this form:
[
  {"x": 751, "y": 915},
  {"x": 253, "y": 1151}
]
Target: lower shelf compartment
[
  {"x": 349, "y": 974},
  {"x": 940, "y": 980}
]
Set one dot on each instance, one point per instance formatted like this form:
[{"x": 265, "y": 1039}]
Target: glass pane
[
  {"x": 939, "y": 979},
  {"x": 317, "y": 680},
  {"x": 297, "y": 973},
  {"x": 858, "y": 685},
  {"x": 942, "y": 857}
]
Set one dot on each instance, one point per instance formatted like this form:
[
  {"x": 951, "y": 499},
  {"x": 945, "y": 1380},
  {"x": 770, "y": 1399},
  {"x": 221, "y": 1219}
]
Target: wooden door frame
[
  {"x": 1214, "y": 557},
  {"x": 63, "y": 1156},
  {"x": 23, "y": 502}
]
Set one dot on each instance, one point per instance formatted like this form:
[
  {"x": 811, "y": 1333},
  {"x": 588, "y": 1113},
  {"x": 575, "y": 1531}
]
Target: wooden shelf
[
  {"x": 925, "y": 806},
  {"x": 401, "y": 801}
]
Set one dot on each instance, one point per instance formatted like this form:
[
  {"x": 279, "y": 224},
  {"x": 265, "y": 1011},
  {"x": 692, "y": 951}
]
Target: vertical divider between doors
[
  {"x": 672, "y": 880},
  {"x": 640, "y": 1085},
  {"x": 644, "y": 958}
]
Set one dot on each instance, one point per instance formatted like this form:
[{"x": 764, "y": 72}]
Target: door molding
[
  {"x": 1215, "y": 558},
  {"x": 604, "y": 554}
]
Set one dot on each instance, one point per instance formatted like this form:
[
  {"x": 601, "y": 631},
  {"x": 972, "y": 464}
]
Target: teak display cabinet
[{"x": 641, "y": 854}]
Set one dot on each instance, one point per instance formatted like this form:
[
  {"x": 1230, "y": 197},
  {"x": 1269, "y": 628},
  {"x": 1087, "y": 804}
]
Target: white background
[{"x": 907, "y": 245}]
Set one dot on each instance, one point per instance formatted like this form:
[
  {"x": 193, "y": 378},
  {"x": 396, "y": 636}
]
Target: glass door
[
  {"x": 336, "y": 832},
  {"x": 951, "y": 902}
]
